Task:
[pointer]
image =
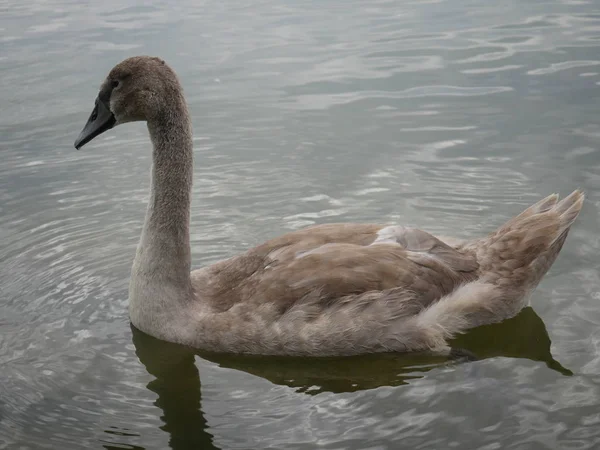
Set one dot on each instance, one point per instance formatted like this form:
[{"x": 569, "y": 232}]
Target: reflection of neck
[
  {"x": 177, "y": 384},
  {"x": 164, "y": 250}
]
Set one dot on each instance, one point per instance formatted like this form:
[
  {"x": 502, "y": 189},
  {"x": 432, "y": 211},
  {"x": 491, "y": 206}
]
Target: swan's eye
[{"x": 115, "y": 84}]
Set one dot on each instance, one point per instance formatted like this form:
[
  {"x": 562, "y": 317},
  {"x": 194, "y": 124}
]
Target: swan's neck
[{"x": 161, "y": 270}]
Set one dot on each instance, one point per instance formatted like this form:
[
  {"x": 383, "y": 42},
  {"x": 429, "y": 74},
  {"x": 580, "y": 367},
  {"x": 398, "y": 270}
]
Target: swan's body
[{"x": 335, "y": 289}]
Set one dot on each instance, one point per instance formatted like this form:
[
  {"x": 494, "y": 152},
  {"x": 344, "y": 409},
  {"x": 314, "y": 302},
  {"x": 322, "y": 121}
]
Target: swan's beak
[{"x": 100, "y": 120}]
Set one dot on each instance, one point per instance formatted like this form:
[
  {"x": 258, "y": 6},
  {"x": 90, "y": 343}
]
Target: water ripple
[{"x": 449, "y": 116}]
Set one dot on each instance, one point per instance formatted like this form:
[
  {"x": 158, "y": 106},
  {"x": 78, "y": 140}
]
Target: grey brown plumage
[{"x": 334, "y": 289}]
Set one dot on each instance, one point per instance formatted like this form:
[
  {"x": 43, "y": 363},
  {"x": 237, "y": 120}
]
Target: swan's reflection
[
  {"x": 523, "y": 336},
  {"x": 177, "y": 382}
]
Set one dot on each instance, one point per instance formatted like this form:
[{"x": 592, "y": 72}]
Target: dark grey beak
[{"x": 100, "y": 120}]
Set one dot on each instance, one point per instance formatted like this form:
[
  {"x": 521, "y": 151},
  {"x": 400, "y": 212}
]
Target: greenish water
[{"x": 451, "y": 116}]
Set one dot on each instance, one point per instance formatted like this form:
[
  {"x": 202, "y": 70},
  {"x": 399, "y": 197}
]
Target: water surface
[{"x": 449, "y": 115}]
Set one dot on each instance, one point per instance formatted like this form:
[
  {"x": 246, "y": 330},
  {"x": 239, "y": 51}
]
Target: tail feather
[
  {"x": 512, "y": 262},
  {"x": 542, "y": 206},
  {"x": 569, "y": 208},
  {"x": 538, "y": 232}
]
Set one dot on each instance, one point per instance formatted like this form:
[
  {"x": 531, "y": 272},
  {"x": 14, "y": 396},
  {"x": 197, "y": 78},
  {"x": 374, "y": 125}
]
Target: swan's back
[{"x": 353, "y": 288}]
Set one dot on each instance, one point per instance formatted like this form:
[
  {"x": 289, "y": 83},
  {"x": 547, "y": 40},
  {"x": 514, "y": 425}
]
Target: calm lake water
[{"x": 449, "y": 115}]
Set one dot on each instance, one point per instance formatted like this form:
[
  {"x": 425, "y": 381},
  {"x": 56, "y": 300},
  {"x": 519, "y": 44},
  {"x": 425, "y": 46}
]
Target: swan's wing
[{"x": 334, "y": 261}]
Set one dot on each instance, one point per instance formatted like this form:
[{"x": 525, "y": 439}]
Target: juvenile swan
[{"x": 335, "y": 289}]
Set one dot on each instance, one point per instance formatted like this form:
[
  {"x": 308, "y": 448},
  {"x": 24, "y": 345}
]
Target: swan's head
[{"x": 138, "y": 88}]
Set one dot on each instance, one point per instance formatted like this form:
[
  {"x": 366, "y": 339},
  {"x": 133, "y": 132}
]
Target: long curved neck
[{"x": 161, "y": 270}]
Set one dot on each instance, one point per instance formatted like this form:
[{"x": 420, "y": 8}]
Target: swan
[{"x": 332, "y": 289}]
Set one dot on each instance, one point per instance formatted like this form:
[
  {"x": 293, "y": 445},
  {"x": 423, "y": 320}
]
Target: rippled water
[{"x": 449, "y": 115}]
